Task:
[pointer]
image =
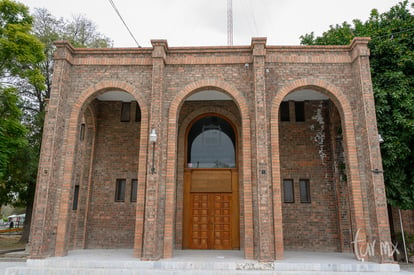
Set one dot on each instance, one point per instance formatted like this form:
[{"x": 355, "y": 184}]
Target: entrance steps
[{"x": 121, "y": 261}]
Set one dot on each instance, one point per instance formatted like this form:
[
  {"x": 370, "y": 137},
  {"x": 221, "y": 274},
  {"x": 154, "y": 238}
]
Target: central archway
[
  {"x": 181, "y": 114},
  {"x": 211, "y": 212}
]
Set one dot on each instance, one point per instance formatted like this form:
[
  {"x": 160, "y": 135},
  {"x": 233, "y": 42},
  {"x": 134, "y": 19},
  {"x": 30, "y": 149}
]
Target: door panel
[
  {"x": 211, "y": 222},
  {"x": 200, "y": 220},
  {"x": 210, "y": 181},
  {"x": 211, "y": 219},
  {"x": 222, "y": 221}
]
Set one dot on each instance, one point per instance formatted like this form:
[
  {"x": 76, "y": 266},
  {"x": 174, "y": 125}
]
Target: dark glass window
[
  {"x": 211, "y": 144},
  {"x": 134, "y": 189},
  {"x": 304, "y": 188},
  {"x": 300, "y": 110},
  {"x": 75, "y": 197},
  {"x": 82, "y": 132},
  {"x": 126, "y": 111},
  {"x": 284, "y": 111},
  {"x": 288, "y": 193},
  {"x": 137, "y": 113},
  {"x": 120, "y": 190}
]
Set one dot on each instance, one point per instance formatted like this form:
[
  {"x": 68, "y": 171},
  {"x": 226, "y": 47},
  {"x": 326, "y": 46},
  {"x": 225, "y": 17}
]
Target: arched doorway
[
  {"x": 211, "y": 203},
  {"x": 315, "y": 193},
  {"x": 105, "y": 180}
]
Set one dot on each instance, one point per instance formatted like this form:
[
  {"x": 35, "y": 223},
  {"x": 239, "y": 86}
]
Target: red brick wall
[
  {"x": 112, "y": 224},
  {"x": 306, "y": 153},
  {"x": 84, "y": 153},
  {"x": 407, "y": 217}
]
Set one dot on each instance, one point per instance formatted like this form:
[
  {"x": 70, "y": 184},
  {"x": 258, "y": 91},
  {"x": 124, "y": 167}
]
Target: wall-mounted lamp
[
  {"x": 380, "y": 139},
  {"x": 153, "y": 140},
  {"x": 153, "y": 136}
]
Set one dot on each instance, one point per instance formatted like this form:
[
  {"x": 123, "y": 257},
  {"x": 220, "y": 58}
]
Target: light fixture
[
  {"x": 153, "y": 136},
  {"x": 380, "y": 139},
  {"x": 153, "y": 140}
]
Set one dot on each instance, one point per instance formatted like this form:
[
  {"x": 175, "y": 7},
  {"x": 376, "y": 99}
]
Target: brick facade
[
  {"x": 407, "y": 220},
  {"x": 86, "y": 147}
]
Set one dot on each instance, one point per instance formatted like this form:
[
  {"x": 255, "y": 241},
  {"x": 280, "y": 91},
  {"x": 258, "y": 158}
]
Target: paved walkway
[{"x": 117, "y": 261}]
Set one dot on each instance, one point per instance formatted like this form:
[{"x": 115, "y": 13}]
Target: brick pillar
[
  {"x": 370, "y": 150},
  {"x": 152, "y": 248},
  {"x": 264, "y": 247},
  {"x": 43, "y": 227}
]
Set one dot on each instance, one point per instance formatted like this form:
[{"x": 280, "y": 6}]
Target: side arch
[
  {"x": 347, "y": 119},
  {"x": 171, "y": 176},
  {"x": 70, "y": 140}
]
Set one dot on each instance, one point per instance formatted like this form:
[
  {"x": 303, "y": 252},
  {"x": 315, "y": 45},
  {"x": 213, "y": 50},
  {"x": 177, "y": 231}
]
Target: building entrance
[{"x": 211, "y": 204}]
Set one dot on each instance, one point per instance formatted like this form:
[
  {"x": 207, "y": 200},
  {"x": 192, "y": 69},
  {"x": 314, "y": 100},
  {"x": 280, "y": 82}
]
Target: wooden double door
[{"x": 211, "y": 209}]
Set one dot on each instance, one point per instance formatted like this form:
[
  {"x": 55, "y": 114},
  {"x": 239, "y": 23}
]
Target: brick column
[
  {"x": 263, "y": 219},
  {"x": 152, "y": 248},
  {"x": 370, "y": 149},
  {"x": 44, "y": 222}
]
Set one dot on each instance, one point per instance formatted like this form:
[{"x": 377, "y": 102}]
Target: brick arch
[
  {"x": 208, "y": 83},
  {"x": 171, "y": 176},
  {"x": 90, "y": 93},
  {"x": 345, "y": 110},
  {"x": 71, "y": 130}
]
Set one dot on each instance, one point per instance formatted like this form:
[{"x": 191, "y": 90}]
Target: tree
[
  {"x": 392, "y": 69},
  {"x": 20, "y": 51},
  {"x": 12, "y": 140},
  {"x": 83, "y": 33}
]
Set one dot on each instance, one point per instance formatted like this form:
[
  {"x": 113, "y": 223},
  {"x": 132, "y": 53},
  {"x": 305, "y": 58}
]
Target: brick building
[{"x": 259, "y": 148}]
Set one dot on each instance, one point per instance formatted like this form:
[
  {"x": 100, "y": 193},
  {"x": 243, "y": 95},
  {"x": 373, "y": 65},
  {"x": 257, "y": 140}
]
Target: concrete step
[
  {"x": 104, "y": 262},
  {"x": 54, "y": 271}
]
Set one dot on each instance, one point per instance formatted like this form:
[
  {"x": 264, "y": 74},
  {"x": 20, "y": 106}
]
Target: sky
[{"x": 204, "y": 22}]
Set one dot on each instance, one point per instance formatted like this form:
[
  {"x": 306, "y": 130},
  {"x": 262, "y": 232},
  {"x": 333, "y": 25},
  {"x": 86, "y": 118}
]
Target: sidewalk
[{"x": 121, "y": 261}]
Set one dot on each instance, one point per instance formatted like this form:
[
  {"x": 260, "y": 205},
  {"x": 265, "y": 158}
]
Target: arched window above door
[{"x": 211, "y": 144}]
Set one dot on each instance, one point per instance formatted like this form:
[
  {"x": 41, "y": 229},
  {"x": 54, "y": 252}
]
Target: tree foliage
[
  {"x": 392, "y": 69},
  {"x": 20, "y": 52},
  {"x": 83, "y": 33},
  {"x": 12, "y": 140}
]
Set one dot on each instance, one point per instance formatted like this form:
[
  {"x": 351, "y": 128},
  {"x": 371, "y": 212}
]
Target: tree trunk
[{"x": 27, "y": 222}]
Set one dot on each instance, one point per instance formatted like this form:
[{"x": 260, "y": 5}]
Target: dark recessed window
[
  {"x": 284, "y": 111},
  {"x": 137, "y": 113},
  {"x": 300, "y": 111},
  {"x": 126, "y": 111},
  {"x": 304, "y": 188},
  {"x": 288, "y": 193},
  {"x": 134, "y": 189},
  {"x": 82, "y": 132},
  {"x": 120, "y": 190},
  {"x": 75, "y": 197}
]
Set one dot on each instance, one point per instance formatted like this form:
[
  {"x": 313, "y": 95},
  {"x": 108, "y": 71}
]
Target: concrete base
[{"x": 121, "y": 261}]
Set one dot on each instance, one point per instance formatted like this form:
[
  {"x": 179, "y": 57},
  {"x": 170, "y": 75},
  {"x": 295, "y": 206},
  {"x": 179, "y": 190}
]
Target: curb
[{"x": 11, "y": 251}]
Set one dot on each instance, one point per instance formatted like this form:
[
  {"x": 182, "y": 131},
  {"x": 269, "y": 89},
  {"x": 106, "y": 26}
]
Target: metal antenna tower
[{"x": 229, "y": 23}]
